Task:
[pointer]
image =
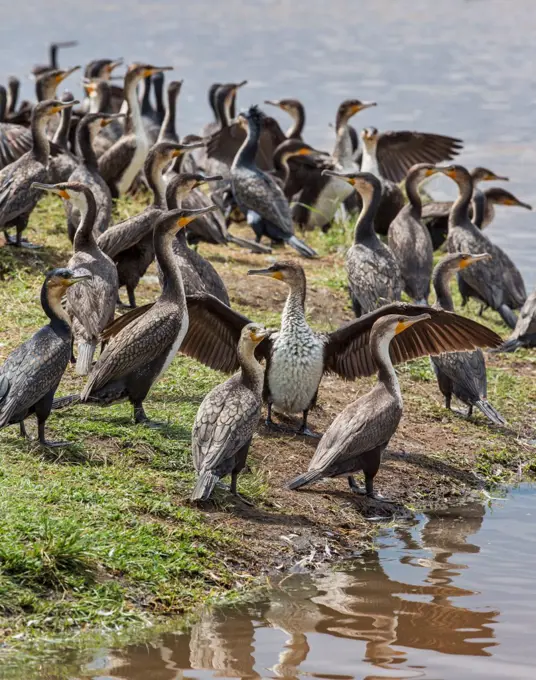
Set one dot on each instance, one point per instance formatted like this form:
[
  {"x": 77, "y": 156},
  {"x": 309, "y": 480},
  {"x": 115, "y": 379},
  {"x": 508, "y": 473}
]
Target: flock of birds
[{"x": 117, "y": 140}]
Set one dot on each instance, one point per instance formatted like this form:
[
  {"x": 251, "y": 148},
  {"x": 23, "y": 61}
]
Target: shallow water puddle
[{"x": 449, "y": 595}]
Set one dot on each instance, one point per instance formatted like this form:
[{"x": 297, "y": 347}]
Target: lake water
[
  {"x": 447, "y": 596},
  {"x": 463, "y": 67}
]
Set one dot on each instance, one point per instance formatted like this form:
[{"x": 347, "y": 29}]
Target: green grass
[{"x": 100, "y": 535}]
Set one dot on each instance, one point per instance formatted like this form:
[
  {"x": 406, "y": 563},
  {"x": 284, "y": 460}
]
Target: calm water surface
[
  {"x": 463, "y": 67},
  {"x": 445, "y": 597}
]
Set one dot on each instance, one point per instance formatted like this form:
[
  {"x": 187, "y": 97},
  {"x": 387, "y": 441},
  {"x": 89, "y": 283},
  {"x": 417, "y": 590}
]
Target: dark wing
[
  {"x": 348, "y": 352},
  {"x": 15, "y": 141},
  {"x": 143, "y": 341},
  {"x": 213, "y": 333},
  {"x": 224, "y": 144},
  {"x": 436, "y": 209},
  {"x": 398, "y": 151},
  {"x": 126, "y": 234},
  {"x": 116, "y": 159},
  {"x": 467, "y": 370},
  {"x": 30, "y": 372},
  {"x": 117, "y": 325}
]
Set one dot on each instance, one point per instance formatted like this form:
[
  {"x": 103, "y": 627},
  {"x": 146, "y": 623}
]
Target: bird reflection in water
[{"x": 381, "y": 603}]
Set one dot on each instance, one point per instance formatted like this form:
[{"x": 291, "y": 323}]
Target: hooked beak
[
  {"x": 272, "y": 273},
  {"x": 68, "y": 43},
  {"x": 77, "y": 279},
  {"x": 403, "y": 325},
  {"x": 110, "y": 118},
  {"x": 239, "y": 85},
  {"x": 52, "y": 188},
  {"x": 273, "y": 102},
  {"x": 334, "y": 173},
  {"x": 63, "y": 105},
  {"x": 186, "y": 219},
  {"x": 62, "y": 76},
  {"x": 363, "y": 106},
  {"x": 261, "y": 335},
  {"x": 474, "y": 258},
  {"x": 113, "y": 65},
  {"x": 209, "y": 178}
]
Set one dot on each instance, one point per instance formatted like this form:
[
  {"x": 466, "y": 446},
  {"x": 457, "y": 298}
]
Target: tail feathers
[
  {"x": 507, "y": 315},
  {"x": 306, "y": 478},
  {"x": 205, "y": 486},
  {"x": 86, "y": 350},
  {"x": 4, "y": 387},
  {"x": 303, "y": 249},
  {"x": 64, "y": 402},
  {"x": 250, "y": 245},
  {"x": 508, "y": 346},
  {"x": 490, "y": 412}
]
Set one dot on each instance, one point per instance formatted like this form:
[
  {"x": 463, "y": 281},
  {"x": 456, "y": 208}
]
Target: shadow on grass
[{"x": 437, "y": 466}]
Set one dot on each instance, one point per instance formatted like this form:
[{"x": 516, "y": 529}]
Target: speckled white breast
[
  {"x": 328, "y": 202},
  {"x": 136, "y": 164},
  {"x": 296, "y": 369}
]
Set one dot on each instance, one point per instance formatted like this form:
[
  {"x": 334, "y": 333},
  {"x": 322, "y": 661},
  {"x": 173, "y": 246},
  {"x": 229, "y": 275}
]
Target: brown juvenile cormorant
[
  {"x": 121, "y": 163},
  {"x": 358, "y": 436},
  {"x": 90, "y": 307},
  {"x": 17, "y": 198},
  {"x": 141, "y": 352},
  {"x": 410, "y": 242},
  {"x": 227, "y": 419},
  {"x": 435, "y": 214},
  {"x": 47, "y": 83},
  {"x": 462, "y": 374},
  {"x": 130, "y": 243},
  {"x": 296, "y": 111},
  {"x": 374, "y": 276},
  {"x": 524, "y": 334},
  {"x": 87, "y": 172},
  {"x": 392, "y": 198},
  {"x": 258, "y": 194},
  {"x": 198, "y": 274},
  {"x": 62, "y": 162},
  {"x": 31, "y": 374},
  {"x": 484, "y": 202},
  {"x": 496, "y": 282}
]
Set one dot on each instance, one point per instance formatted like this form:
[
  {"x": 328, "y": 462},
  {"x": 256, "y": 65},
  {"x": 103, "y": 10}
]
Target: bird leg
[
  {"x": 141, "y": 418},
  {"x": 233, "y": 489},
  {"x": 470, "y": 411},
  {"x": 304, "y": 430},
  {"x": 23, "y": 432},
  {"x": 131, "y": 297},
  {"x": 19, "y": 242},
  {"x": 448, "y": 398},
  {"x": 45, "y": 442}
]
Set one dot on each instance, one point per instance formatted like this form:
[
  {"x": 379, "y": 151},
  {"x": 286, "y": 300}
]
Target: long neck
[
  {"x": 41, "y": 146},
  {"x": 85, "y": 147},
  {"x": 219, "y": 110},
  {"x": 296, "y": 129},
  {"x": 3, "y": 98},
  {"x": 85, "y": 235},
  {"x": 156, "y": 182},
  {"x": 169, "y": 130},
  {"x": 379, "y": 347},
  {"x": 160, "y": 108},
  {"x": 479, "y": 207},
  {"x": 281, "y": 167},
  {"x": 62, "y": 133},
  {"x": 412, "y": 192},
  {"x": 248, "y": 150},
  {"x": 252, "y": 371},
  {"x": 294, "y": 310},
  {"x": 369, "y": 162},
  {"x": 173, "y": 287},
  {"x": 459, "y": 211},
  {"x": 134, "y": 121},
  {"x": 440, "y": 280},
  {"x": 145, "y": 102},
  {"x": 51, "y": 303},
  {"x": 12, "y": 96},
  {"x": 364, "y": 228}
]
